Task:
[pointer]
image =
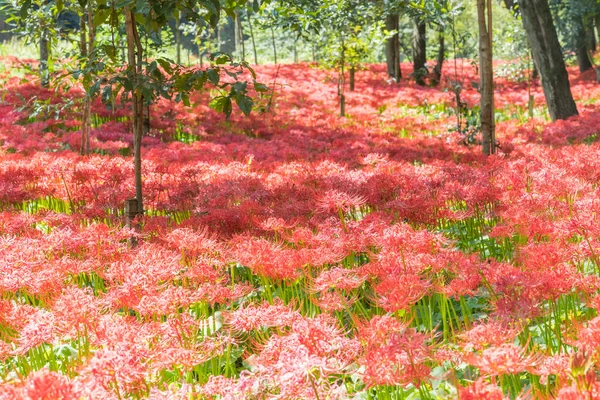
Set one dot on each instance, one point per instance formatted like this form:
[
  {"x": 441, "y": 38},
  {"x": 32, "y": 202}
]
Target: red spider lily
[{"x": 394, "y": 354}]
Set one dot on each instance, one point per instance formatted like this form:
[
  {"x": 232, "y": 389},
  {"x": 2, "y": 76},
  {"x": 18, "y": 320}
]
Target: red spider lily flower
[
  {"x": 47, "y": 385},
  {"x": 338, "y": 278},
  {"x": 482, "y": 390},
  {"x": 333, "y": 201},
  {"x": 493, "y": 333},
  {"x": 503, "y": 359},
  {"x": 394, "y": 354}
]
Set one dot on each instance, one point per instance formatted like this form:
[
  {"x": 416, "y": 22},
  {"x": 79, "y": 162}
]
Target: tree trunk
[
  {"x": 178, "y": 37},
  {"x": 295, "y": 50},
  {"x": 86, "y": 48},
  {"x": 342, "y": 80},
  {"x": 227, "y": 37},
  {"x": 241, "y": 37},
  {"x": 44, "y": 58},
  {"x": 352, "y": 74},
  {"x": 581, "y": 49},
  {"x": 486, "y": 73},
  {"x": 274, "y": 46},
  {"x": 548, "y": 58},
  {"x": 253, "y": 42},
  {"x": 437, "y": 71},
  {"x": 590, "y": 37},
  {"x": 597, "y": 23},
  {"x": 419, "y": 51},
  {"x": 392, "y": 48},
  {"x": 134, "y": 61}
]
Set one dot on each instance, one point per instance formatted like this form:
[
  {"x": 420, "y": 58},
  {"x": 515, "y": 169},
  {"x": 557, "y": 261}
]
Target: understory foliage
[{"x": 294, "y": 254}]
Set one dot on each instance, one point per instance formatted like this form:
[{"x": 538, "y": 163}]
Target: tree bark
[
  {"x": 227, "y": 37},
  {"x": 178, "y": 37},
  {"x": 486, "y": 72},
  {"x": 437, "y": 70},
  {"x": 241, "y": 37},
  {"x": 134, "y": 61},
  {"x": 392, "y": 48},
  {"x": 342, "y": 79},
  {"x": 86, "y": 48},
  {"x": 274, "y": 45},
  {"x": 44, "y": 58},
  {"x": 597, "y": 24},
  {"x": 581, "y": 47},
  {"x": 590, "y": 37},
  {"x": 253, "y": 42},
  {"x": 419, "y": 51},
  {"x": 548, "y": 58},
  {"x": 352, "y": 76}
]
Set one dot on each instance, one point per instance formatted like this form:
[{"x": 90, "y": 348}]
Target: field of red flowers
[{"x": 295, "y": 254}]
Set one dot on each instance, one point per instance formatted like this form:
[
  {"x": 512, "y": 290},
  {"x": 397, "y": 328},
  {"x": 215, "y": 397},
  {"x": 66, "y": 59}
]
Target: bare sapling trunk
[
  {"x": 44, "y": 58},
  {"x": 486, "y": 71},
  {"x": 274, "y": 46},
  {"x": 87, "y": 46},
  {"x": 253, "y": 41},
  {"x": 134, "y": 61},
  {"x": 178, "y": 37},
  {"x": 342, "y": 79}
]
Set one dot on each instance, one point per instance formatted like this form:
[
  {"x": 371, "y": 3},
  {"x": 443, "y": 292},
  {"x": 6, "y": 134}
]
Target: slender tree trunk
[
  {"x": 419, "y": 51},
  {"x": 178, "y": 37},
  {"x": 352, "y": 74},
  {"x": 486, "y": 71},
  {"x": 437, "y": 70},
  {"x": 44, "y": 58},
  {"x": 253, "y": 42},
  {"x": 236, "y": 35},
  {"x": 296, "y": 51},
  {"x": 392, "y": 48},
  {"x": 86, "y": 48},
  {"x": 548, "y": 58},
  {"x": 342, "y": 80},
  {"x": 241, "y": 37},
  {"x": 274, "y": 45},
  {"x": 134, "y": 61}
]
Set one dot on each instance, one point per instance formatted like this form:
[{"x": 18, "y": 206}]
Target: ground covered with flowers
[{"x": 295, "y": 254}]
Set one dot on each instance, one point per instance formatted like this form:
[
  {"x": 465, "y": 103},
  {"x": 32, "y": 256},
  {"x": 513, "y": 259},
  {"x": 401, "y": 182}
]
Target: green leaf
[
  {"x": 260, "y": 87},
  {"x": 166, "y": 65},
  {"x": 244, "y": 103},
  {"x": 123, "y": 3},
  {"x": 183, "y": 97},
  {"x": 221, "y": 58},
  {"x": 142, "y": 7},
  {"x": 213, "y": 76},
  {"x": 111, "y": 52},
  {"x": 100, "y": 16},
  {"x": 221, "y": 104},
  {"x": 25, "y": 8},
  {"x": 240, "y": 86}
]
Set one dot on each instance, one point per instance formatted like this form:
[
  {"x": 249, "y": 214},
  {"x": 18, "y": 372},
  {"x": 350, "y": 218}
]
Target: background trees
[{"x": 122, "y": 47}]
